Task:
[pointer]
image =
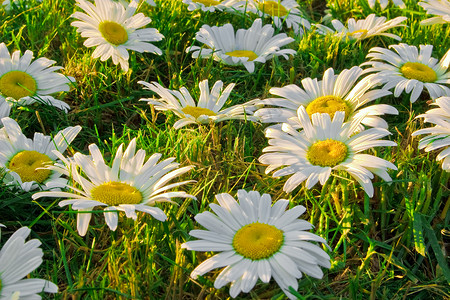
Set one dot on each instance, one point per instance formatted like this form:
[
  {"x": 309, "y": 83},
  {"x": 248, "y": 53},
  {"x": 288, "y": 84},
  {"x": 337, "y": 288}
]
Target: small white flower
[
  {"x": 207, "y": 109},
  {"x": 441, "y": 8},
  {"x": 384, "y": 3},
  {"x": 363, "y": 29},
  {"x": 409, "y": 70},
  {"x": 322, "y": 146},
  {"x": 213, "y": 5},
  {"x": 7, "y": 4},
  {"x": 131, "y": 184},
  {"x": 24, "y": 158},
  {"x": 25, "y": 81},
  {"x": 332, "y": 93},
  {"x": 113, "y": 29},
  {"x": 439, "y": 135},
  {"x": 17, "y": 259},
  {"x": 256, "y": 44},
  {"x": 257, "y": 240}
]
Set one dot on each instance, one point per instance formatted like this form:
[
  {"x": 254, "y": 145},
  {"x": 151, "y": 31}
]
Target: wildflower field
[{"x": 206, "y": 149}]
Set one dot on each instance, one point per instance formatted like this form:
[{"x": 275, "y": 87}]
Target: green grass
[{"x": 392, "y": 246}]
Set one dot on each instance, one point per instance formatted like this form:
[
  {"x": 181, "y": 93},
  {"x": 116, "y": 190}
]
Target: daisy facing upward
[{"x": 113, "y": 30}]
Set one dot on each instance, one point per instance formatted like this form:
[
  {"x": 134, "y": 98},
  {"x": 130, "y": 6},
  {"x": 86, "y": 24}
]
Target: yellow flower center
[
  {"x": 361, "y": 33},
  {"x": 258, "y": 241},
  {"x": 208, "y": 2},
  {"x": 197, "y": 111},
  {"x": 327, "y": 153},
  {"x": 115, "y": 193},
  {"x": 17, "y": 84},
  {"x": 328, "y": 105},
  {"x": 421, "y": 72},
  {"x": 113, "y": 32},
  {"x": 25, "y": 163},
  {"x": 272, "y": 8},
  {"x": 243, "y": 53}
]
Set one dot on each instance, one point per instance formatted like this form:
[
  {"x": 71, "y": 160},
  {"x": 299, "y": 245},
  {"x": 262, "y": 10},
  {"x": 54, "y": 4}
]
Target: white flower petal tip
[
  {"x": 257, "y": 240},
  {"x": 209, "y": 107},
  {"x": 439, "y": 8},
  {"x": 215, "y": 5},
  {"x": 243, "y": 48},
  {"x": 130, "y": 183}
]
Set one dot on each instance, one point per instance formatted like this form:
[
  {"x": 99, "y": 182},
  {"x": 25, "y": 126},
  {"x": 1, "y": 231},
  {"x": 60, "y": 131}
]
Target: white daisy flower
[
  {"x": 207, "y": 109},
  {"x": 256, "y": 44},
  {"x": 409, "y": 70},
  {"x": 333, "y": 93},
  {"x": 24, "y": 158},
  {"x": 282, "y": 12},
  {"x": 113, "y": 29},
  {"x": 131, "y": 184},
  {"x": 363, "y": 29},
  {"x": 25, "y": 82},
  {"x": 439, "y": 135},
  {"x": 440, "y": 8},
  {"x": 384, "y": 3},
  {"x": 257, "y": 240},
  {"x": 322, "y": 146},
  {"x": 213, "y": 5},
  {"x": 17, "y": 259}
]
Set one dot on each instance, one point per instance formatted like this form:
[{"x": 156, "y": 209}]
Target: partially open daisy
[
  {"x": 257, "y": 240},
  {"x": 409, "y": 70},
  {"x": 207, "y": 109},
  {"x": 440, "y": 8},
  {"x": 130, "y": 184},
  {"x": 322, "y": 146},
  {"x": 439, "y": 135},
  {"x": 26, "y": 82},
  {"x": 113, "y": 29},
  {"x": 363, "y": 29},
  {"x": 384, "y": 3},
  {"x": 282, "y": 12},
  {"x": 333, "y": 93},
  {"x": 213, "y": 5},
  {"x": 256, "y": 44},
  {"x": 24, "y": 158},
  {"x": 17, "y": 259}
]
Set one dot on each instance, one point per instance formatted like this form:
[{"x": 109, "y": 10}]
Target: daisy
[
  {"x": 409, "y": 70},
  {"x": 23, "y": 158},
  {"x": 25, "y": 82},
  {"x": 439, "y": 137},
  {"x": 384, "y": 3},
  {"x": 256, "y": 44},
  {"x": 322, "y": 146},
  {"x": 112, "y": 27},
  {"x": 131, "y": 184},
  {"x": 363, "y": 29},
  {"x": 282, "y": 12},
  {"x": 207, "y": 109},
  {"x": 257, "y": 240},
  {"x": 441, "y": 8},
  {"x": 17, "y": 259},
  {"x": 333, "y": 93},
  {"x": 213, "y": 5}
]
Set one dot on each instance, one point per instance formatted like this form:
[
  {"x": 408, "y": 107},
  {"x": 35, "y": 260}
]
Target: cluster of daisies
[{"x": 323, "y": 126}]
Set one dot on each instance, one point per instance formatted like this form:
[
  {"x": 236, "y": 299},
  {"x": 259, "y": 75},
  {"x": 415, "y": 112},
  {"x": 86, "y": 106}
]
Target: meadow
[{"x": 394, "y": 245}]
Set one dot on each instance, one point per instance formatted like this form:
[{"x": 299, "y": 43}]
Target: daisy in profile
[
  {"x": 17, "y": 259},
  {"x": 322, "y": 146},
  {"x": 213, "y": 5},
  {"x": 439, "y": 135},
  {"x": 333, "y": 93},
  {"x": 207, "y": 109},
  {"x": 130, "y": 184},
  {"x": 409, "y": 70},
  {"x": 24, "y": 158},
  {"x": 363, "y": 29},
  {"x": 384, "y": 3},
  {"x": 257, "y": 240},
  {"x": 113, "y": 29},
  {"x": 282, "y": 12},
  {"x": 247, "y": 46},
  {"x": 25, "y": 81},
  {"x": 440, "y": 8}
]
